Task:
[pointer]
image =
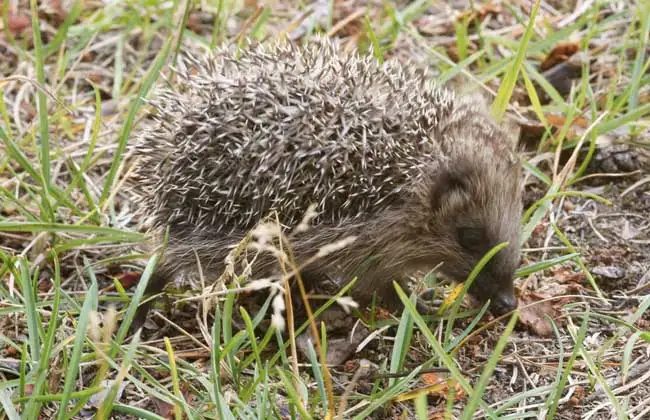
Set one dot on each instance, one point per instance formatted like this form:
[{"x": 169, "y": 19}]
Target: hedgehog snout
[
  {"x": 503, "y": 302},
  {"x": 498, "y": 288}
]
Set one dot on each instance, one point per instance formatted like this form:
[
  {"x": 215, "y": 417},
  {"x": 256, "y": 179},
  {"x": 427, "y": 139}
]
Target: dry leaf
[
  {"x": 567, "y": 275},
  {"x": 558, "y": 121},
  {"x": 11, "y": 351},
  {"x": 560, "y": 53},
  {"x": 562, "y": 77},
  {"x": 440, "y": 386},
  {"x": 433, "y": 378},
  {"x": 129, "y": 278},
  {"x": 451, "y": 298},
  {"x": 381, "y": 314},
  {"x": 479, "y": 15},
  {"x": 97, "y": 399},
  {"x": 18, "y": 23},
  {"x": 162, "y": 408},
  {"x": 44, "y": 285},
  {"x": 534, "y": 317},
  {"x": 578, "y": 396}
]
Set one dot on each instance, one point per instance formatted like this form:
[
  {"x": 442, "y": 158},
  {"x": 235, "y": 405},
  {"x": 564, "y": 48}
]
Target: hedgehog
[{"x": 421, "y": 176}]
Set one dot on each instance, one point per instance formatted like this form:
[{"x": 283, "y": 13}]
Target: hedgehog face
[
  {"x": 495, "y": 281},
  {"x": 474, "y": 209}
]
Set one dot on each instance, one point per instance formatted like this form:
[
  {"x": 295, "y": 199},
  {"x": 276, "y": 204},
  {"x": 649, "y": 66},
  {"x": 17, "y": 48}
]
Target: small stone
[{"x": 609, "y": 272}]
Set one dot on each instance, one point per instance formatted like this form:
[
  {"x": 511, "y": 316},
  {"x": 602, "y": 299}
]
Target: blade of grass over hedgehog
[
  {"x": 508, "y": 84},
  {"x": 401, "y": 344},
  {"x": 453, "y": 313},
  {"x": 317, "y": 313},
  {"x": 135, "y": 301},
  {"x": 452, "y": 346}
]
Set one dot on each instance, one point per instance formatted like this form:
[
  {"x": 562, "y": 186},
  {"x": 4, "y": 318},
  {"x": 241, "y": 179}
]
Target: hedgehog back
[{"x": 281, "y": 127}]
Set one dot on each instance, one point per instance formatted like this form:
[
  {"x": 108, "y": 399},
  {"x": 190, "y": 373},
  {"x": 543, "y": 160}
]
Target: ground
[{"x": 70, "y": 245}]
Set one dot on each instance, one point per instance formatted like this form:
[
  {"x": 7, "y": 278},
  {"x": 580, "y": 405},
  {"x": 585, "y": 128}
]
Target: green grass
[{"x": 68, "y": 111}]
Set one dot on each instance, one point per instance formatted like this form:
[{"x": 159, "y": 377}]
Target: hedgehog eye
[{"x": 471, "y": 238}]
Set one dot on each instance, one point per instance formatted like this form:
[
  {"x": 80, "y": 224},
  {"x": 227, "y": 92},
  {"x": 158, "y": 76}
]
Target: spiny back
[{"x": 277, "y": 127}]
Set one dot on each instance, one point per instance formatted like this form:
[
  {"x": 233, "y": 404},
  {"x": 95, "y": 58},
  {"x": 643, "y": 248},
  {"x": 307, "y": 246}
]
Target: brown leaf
[
  {"x": 57, "y": 11},
  {"x": 566, "y": 275},
  {"x": 129, "y": 278},
  {"x": 194, "y": 22},
  {"x": 162, "y": 408},
  {"x": 433, "y": 378},
  {"x": 477, "y": 16},
  {"x": 560, "y": 53},
  {"x": 18, "y": 23},
  {"x": 558, "y": 121},
  {"x": 562, "y": 76},
  {"x": 9, "y": 210},
  {"x": 381, "y": 314},
  {"x": 534, "y": 316},
  {"x": 29, "y": 388},
  {"x": 95, "y": 77},
  {"x": 577, "y": 397},
  {"x": 11, "y": 351},
  {"x": 440, "y": 386},
  {"x": 530, "y": 133},
  {"x": 351, "y": 366},
  {"x": 44, "y": 285}
]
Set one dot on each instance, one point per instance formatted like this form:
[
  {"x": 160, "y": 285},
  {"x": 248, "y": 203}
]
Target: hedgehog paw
[{"x": 426, "y": 304}]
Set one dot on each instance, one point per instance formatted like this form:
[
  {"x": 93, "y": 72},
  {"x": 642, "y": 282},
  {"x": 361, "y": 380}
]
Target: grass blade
[
  {"x": 508, "y": 85},
  {"x": 149, "y": 80},
  {"x": 476, "y": 396},
  {"x": 90, "y": 305}
]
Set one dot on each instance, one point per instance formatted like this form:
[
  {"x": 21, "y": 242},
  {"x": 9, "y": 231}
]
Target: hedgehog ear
[{"x": 449, "y": 182}]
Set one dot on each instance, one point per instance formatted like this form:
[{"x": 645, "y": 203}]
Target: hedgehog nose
[{"x": 504, "y": 303}]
